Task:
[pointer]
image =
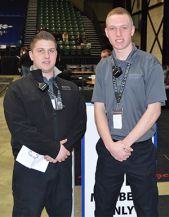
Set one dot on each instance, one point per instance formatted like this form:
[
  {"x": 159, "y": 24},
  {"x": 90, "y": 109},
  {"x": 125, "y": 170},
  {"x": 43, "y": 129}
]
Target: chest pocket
[
  {"x": 135, "y": 82},
  {"x": 134, "y": 76}
]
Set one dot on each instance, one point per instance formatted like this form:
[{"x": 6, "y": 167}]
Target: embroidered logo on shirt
[{"x": 66, "y": 88}]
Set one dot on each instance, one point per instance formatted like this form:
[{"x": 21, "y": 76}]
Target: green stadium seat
[{"x": 60, "y": 16}]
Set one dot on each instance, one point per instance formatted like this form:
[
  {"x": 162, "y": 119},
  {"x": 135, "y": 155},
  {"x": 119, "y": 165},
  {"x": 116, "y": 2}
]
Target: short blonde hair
[{"x": 119, "y": 11}]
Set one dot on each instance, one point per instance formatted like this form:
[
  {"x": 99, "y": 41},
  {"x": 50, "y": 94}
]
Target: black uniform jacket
[{"x": 34, "y": 123}]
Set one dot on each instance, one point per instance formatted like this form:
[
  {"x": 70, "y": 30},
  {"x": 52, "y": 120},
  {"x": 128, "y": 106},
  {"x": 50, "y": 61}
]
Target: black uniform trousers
[
  {"x": 33, "y": 190},
  {"x": 140, "y": 169}
]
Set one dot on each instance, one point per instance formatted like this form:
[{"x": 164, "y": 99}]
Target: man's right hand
[{"x": 120, "y": 151}]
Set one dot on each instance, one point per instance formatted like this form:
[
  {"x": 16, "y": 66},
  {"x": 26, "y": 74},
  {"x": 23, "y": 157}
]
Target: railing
[{"x": 92, "y": 16}]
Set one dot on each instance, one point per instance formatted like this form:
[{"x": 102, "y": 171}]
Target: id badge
[
  {"x": 117, "y": 119},
  {"x": 53, "y": 103}
]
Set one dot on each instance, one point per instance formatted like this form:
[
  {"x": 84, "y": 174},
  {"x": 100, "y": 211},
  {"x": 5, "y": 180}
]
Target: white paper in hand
[{"x": 31, "y": 159}]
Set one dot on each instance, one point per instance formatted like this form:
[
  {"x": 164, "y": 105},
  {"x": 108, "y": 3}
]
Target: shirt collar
[
  {"x": 56, "y": 71},
  {"x": 129, "y": 58}
]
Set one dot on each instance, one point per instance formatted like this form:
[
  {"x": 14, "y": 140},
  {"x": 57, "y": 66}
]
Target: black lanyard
[
  {"x": 118, "y": 94},
  {"x": 55, "y": 94}
]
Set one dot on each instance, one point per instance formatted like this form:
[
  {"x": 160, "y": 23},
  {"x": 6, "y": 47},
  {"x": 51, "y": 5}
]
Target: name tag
[
  {"x": 117, "y": 120},
  {"x": 53, "y": 103}
]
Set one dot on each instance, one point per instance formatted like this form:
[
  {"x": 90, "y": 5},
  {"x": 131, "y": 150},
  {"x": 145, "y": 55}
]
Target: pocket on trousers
[{"x": 101, "y": 149}]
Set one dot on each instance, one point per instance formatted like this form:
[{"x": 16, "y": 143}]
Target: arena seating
[{"x": 59, "y": 17}]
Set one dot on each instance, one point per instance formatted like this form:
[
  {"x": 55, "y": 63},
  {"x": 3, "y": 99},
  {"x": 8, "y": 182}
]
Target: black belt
[{"x": 148, "y": 140}]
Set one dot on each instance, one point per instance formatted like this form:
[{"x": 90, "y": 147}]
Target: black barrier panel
[{"x": 9, "y": 65}]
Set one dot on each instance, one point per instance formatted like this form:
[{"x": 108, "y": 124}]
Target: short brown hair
[
  {"x": 107, "y": 53},
  {"x": 42, "y": 35},
  {"x": 119, "y": 11}
]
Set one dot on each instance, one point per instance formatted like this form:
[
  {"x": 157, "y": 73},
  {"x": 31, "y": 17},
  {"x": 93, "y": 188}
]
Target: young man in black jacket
[{"x": 46, "y": 117}]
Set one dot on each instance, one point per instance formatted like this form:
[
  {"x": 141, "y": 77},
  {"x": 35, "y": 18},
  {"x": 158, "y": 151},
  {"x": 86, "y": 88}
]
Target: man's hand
[
  {"x": 120, "y": 151},
  {"x": 62, "y": 155}
]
